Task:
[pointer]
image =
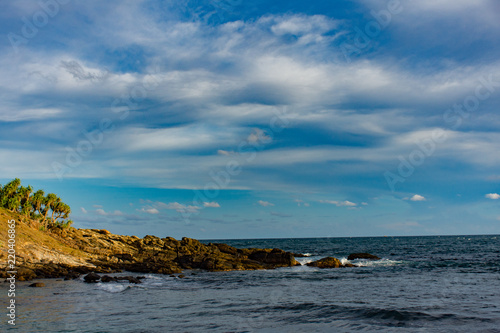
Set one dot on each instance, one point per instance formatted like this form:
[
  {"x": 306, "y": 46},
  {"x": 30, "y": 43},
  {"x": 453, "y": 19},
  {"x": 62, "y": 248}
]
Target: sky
[{"x": 219, "y": 119}]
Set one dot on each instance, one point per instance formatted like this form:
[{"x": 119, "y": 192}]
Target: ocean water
[{"x": 421, "y": 284}]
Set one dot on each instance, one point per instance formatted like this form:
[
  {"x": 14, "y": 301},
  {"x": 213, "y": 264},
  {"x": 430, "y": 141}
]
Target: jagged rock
[
  {"x": 37, "y": 285},
  {"x": 368, "y": 256},
  {"x": 328, "y": 262},
  {"x": 275, "y": 257},
  {"x": 91, "y": 278},
  {"x": 72, "y": 252}
]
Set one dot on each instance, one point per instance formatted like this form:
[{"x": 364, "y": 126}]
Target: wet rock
[
  {"x": 107, "y": 278},
  {"x": 299, "y": 255},
  {"x": 91, "y": 278},
  {"x": 368, "y": 256},
  {"x": 349, "y": 265},
  {"x": 328, "y": 262},
  {"x": 130, "y": 279},
  {"x": 275, "y": 257},
  {"x": 37, "y": 285}
]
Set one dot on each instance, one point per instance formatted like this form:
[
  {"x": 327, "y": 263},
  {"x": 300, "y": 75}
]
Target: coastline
[{"x": 69, "y": 253}]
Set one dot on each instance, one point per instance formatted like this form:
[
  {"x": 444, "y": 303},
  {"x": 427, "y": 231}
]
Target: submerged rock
[
  {"x": 37, "y": 285},
  {"x": 368, "y": 256},
  {"x": 328, "y": 262}
]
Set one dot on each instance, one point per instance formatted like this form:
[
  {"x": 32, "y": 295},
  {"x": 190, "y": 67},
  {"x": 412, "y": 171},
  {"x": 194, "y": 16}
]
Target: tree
[
  {"x": 48, "y": 201},
  {"x": 8, "y": 192},
  {"x": 25, "y": 193},
  {"x": 60, "y": 210},
  {"x": 37, "y": 200},
  {"x": 20, "y": 199}
]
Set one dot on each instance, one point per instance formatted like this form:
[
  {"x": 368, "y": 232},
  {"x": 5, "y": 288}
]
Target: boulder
[
  {"x": 107, "y": 278},
  {"x": 275, "y": 257},
  {"x": 368, "y": 256},
  {"x": 328, "y": 262},
  {"x": 91, "y": 278},
  {"x": 37, "y": 285}
]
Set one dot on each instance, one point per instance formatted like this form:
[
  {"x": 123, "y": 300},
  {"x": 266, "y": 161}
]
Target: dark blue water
[{"x": 422, "y": 284}]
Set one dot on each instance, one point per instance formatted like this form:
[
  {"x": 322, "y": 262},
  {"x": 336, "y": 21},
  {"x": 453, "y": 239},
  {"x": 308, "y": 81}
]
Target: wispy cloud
[
  {"x": 265, "y": 203},
  {"x": 212, "y": 204},
  {"x": 345, "y": 203},
  {"x": 102, "y": 212}
]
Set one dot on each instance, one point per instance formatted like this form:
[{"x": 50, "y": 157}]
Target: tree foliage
[{"x": 48, "y": 209}]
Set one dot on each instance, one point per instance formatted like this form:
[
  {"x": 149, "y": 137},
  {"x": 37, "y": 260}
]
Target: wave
[
  {"x": 374, "y": 263},
  {"x": 112, "y": 287}
]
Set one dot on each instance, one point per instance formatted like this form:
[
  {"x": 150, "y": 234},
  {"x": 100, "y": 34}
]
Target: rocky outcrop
[
  {"x": 328, "y": 262},
  {"x": 368, "y": 256},
  {"x": 71, "y": 252}
]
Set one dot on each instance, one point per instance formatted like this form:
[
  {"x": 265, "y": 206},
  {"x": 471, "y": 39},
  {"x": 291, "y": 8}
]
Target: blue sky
[{"x": 250, "y": 119}]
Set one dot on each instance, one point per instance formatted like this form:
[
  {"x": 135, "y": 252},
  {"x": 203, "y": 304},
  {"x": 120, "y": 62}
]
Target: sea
[{"x": 421, "y": 284}]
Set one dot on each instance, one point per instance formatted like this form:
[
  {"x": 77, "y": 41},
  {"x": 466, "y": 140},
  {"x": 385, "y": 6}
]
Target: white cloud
[
  {"x": 265, "y": 203},
  {"x": 84, "y": 211},
  {"x": 212, "y": 204},
  {"x": 417, "y": 197},
  {"x": 180, "y": 208},
  {"x": 149, "y": 210},
  {"x": 102, "y": 212},
  {"x": 302, "y": 203},
  {"x": 345, "y": 203},
  {"x": 493, "y": 196}
]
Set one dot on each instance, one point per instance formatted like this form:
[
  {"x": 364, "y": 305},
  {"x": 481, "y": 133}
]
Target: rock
[
  {"x": 107, "y": 278},
  {"x": 368, "y": 256},
  {"x": 328, "y": 262},
  {"x": 72, "y": 275},
  {"x": 91, "y": 278},
  {"x": 130, "y": 279},
  {"x": 226, "y": 248},
  {"x": 181, "y": 276},
  {"x": 25, "y": 274},
  {"x": 37, "y": 285},
  {"x": 275, "y": 257},
  {"x": 299, "y": 255},
  {"x": 349, "y": 265}
]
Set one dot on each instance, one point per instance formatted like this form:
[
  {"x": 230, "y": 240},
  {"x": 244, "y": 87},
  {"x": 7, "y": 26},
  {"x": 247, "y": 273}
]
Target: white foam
[
  {"x": 112, "y": 287},
  {"x": 376, "y": 263}
]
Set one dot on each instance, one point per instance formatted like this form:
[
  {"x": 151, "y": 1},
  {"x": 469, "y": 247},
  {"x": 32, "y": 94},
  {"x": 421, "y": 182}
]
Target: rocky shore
[{"x": 69, "y": 253}]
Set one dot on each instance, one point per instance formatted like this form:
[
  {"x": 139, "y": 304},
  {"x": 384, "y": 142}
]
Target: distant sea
[{"x": 421, "y": 284}]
